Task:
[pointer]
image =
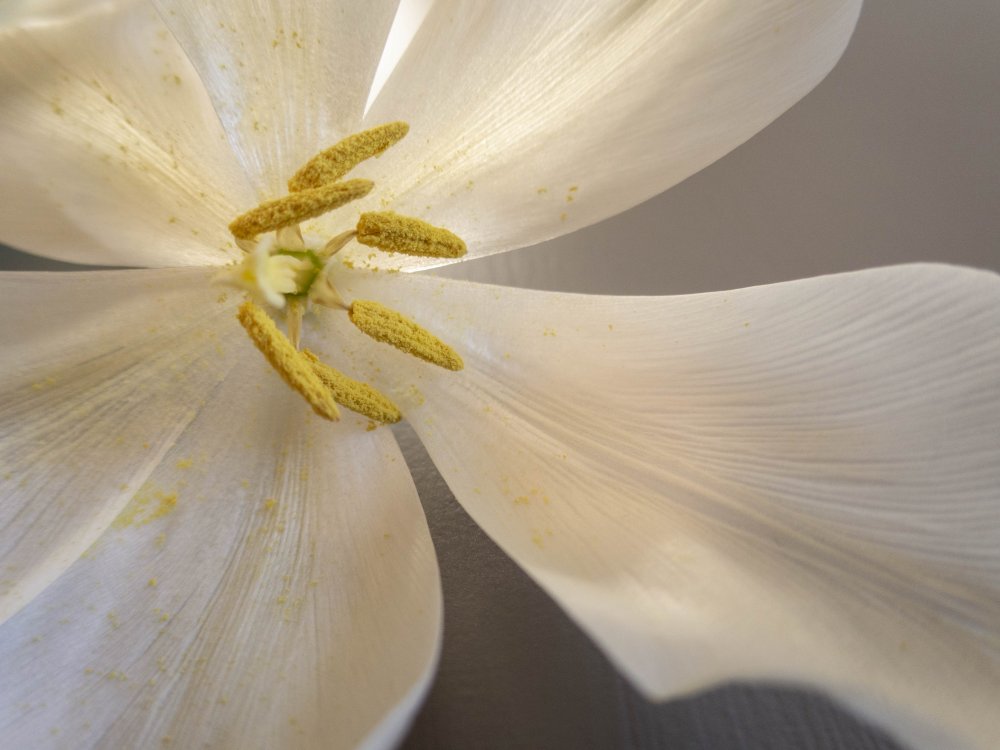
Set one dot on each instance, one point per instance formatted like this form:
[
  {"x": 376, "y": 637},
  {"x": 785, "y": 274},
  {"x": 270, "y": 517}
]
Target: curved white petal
[
  {"x": 102, "y": 372},
  {"x": 112, "y": 153},
  {"x": 530, "y": 120},
  {"x": 797, "y": 482},
  {"x": 272, "y": 585},
  {"x": 288, "y": 79},
  {"x": 42, "y": 12}
]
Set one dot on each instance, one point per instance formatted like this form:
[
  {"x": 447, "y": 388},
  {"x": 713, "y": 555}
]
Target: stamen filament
[
  {"x": 336, "y": 244},
  {"x": 297, "y": 207},
  {"x": 353, "y": 394},
  {"x": 293, "y": 321},
  {"x": 336, "y": 161},
  {"x": 290, "y": 238},
  {"x": 404, "y": 234},
  {"x": 390, "y": 327},
  {"x": 246, "y": 245},
  {"x": 294, "y": 368},
  {"x": 323, "y": 292}
]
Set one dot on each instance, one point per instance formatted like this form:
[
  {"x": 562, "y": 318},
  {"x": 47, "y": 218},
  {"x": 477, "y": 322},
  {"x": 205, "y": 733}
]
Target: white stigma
[{"x": 268, "y": 274}]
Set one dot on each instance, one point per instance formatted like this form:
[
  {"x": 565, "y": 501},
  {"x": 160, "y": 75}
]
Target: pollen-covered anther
[
  {"x": 382, "y": 324},
  {"x": 342, "y": 157},
  {"x": 293, "y": 366},
  {"x": 297, "y": 207},
  {"x": 353, "y": 394},
  {"x": 404, "y": 234}
]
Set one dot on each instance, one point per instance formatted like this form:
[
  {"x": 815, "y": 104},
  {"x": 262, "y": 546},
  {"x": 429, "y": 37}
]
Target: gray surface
[{"x": 894, "y": 158}]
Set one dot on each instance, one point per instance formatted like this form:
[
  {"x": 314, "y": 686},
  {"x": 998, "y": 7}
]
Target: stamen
[
  {"x": 403, "y": 234},
  {"x": 293, "y": 366},
  {"x": 354, "y": 394},
  {"x": 342, "y": 157},
  {"x": 382, "y": 324},
  {"x": 291, "y": 209}
]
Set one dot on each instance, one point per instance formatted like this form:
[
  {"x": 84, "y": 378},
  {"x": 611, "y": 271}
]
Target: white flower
[{"x": 793, "y": 482}]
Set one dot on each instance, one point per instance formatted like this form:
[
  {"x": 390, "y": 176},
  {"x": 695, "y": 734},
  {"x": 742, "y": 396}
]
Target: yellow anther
[
  {"x": 292, "y": 365},
  {"x": 344, "y": 156},
  {"x": 354, "y": 394},
  {"x": 391, "y": 327},
  {"x": 404, "y": 234},
  {"x": 291, "y": 209}
]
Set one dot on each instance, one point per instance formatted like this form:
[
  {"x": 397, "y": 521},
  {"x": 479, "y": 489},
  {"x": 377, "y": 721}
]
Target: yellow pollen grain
[
  {"x": 382, "y": 324},
  {"x": 297, "y": 207},
  {"x": 403, "y": 234},
  {"x": 336, "y": 161},
  {"x": 355, "y": 395},
  {"x": 293, "y": 367},
  {"x": 140, "y": 512}
]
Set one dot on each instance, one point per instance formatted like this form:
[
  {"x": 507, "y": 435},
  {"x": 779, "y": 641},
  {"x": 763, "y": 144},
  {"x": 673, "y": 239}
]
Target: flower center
[{"x": 281, "y": 273}]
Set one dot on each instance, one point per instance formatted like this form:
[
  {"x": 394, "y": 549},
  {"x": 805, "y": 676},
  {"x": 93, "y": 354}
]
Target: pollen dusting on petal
[
  {"x": 354, "y": 394},
  {"x": 297, "y": 207},
  {"x": 382, "y": 324},
  {"x": 342, "y": 157},
  {"x": 404, "y": 234},
  {"x": 292, "y": 365}
]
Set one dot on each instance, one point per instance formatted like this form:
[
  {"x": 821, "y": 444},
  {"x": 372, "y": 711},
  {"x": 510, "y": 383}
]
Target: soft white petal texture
[
  {"x": 41, "y": 12},
  {"x": 288, "y": 79},
  {"x": 102, "y": 371},
  {"x": 273, "y": 585},
  {"x": 112, "y": 152},
  {"x": 798, "y": 482},
  {"x": 533, "y": 119}
]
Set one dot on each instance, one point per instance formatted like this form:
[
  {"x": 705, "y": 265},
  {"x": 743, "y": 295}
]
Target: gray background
[{"x": 894, "y": 158}]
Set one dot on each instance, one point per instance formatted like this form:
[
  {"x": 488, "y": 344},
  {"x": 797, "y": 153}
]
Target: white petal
[
  {"x": 27, "y": 12},
  {"x": 102, "y": 372},
  {"x": 112, "y": 152},
  {"x": 288, "y": 79},
  {"x": 277, "y": 590},
  {"x": 797, "y": 482},
  {"x": 529, "y": 120}
]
